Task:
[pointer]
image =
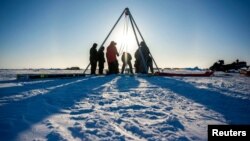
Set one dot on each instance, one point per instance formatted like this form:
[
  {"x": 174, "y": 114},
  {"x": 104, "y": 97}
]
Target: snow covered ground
[{"x": 120, "y": 107}]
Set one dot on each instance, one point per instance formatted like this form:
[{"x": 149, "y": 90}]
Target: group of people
[{"x": 143, "y": 60}]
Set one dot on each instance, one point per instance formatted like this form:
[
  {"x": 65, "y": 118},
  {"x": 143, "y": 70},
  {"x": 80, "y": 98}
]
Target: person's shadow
[
  {"x": 18, "y": 116},
  {"x": 126, "y": 83},
  {"x": 234, "y": 110}
]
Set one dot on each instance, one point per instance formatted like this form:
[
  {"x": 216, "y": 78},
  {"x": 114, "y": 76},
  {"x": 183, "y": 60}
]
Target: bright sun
[{"x": 125, "y": 38}]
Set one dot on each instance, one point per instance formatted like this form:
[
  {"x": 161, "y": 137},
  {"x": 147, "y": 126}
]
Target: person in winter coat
[
  {"x": 126, "y": 60},
  {"x": 145, "y": 53},
  {"x": 137, "y": 61},
  {"x": 93, "y": 58},
  {"x": 101, "y": 59},
  {"x": 111, "y": 58},
  {"x": 143, "y": 60}
]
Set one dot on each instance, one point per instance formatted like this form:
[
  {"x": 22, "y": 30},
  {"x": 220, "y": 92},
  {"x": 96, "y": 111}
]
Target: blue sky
[{"x": 179, "y": 33}]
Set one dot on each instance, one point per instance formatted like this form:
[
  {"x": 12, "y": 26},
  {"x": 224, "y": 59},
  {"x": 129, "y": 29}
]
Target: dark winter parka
[
  {"x": 93, "y": 54},
  {"x": 101, "y": 57}
]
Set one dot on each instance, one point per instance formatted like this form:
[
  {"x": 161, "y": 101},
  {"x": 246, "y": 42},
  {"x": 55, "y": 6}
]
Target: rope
[
  {"x": 124, "y": 44},
  {"x": 126, "y": 49},
  {"x": 122, "y": 38}
]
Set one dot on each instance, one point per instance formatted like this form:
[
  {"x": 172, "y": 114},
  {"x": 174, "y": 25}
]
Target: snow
[{"x": 120, "y": 107}]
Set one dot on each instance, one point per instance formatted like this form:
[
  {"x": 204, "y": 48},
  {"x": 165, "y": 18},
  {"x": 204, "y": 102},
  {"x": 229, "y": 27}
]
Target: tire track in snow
[
  {"x": 54, "y": 106},
  {"x": 102, "y": 115},
  {"x": 128, "y": 111},
  {"x": 193, "y": 116},
  {"x": 111, "y": 87},
  {"x": 34, "y": 92},
  {"x": 131, "y": 108}
]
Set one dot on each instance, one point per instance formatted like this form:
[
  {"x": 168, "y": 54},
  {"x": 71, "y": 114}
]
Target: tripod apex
[{"x": 127, "y": 11}]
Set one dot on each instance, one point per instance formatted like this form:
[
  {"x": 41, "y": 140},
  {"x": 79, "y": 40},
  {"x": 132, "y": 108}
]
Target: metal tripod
[{"x": 126, "y": 12}]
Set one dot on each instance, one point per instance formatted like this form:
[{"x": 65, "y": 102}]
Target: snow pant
[
  {"x": 150, "y": 65},
  {"x": 130, "y": 67},
  {"x": 142, "y": 68},
  {"x": 137, "y": 67},
  {"x": 101, "y": 66},
  {"x": 93, "y": 66},
  {"x": 113, "y": 67}
]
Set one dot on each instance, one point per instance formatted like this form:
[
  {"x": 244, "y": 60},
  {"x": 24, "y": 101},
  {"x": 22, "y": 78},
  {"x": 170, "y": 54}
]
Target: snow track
[{"x": 113, "y": 108}]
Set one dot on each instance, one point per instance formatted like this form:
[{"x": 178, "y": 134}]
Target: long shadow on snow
[
  {"x": 234, "y": 110},
  {"x": 8, "y": 91},
  {"x": 231, "y": 92},
  {"x": 20, "y": 116},
  {"x": 126, "y": 83}
]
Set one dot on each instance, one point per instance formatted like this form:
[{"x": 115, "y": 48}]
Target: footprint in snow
[
  {"x": 155, "y": 113},
  {"x": 77, "y": 132},
  {"x": 54, "y": 136},
  {"x": 133, "y": 107},
  {"x": 48, "y": 124},
  {"x": 102, "y": 103},
  {"x": 78, "y": 118},
  {"x": 82, "y": 111},
  {"x": 94, "y": 123},
  {"x": 169, "y": 108}
]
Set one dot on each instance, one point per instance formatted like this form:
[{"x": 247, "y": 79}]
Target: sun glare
[{"x": 125, "y": 38}]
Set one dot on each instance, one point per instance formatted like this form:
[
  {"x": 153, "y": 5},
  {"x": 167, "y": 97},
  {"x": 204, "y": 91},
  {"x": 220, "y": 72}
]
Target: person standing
[
  {"x": 93, "y": 58},
  {"x": 111, "y": 58},
  {"x": 101, "y": 59},
  {"x": 137, "y": 61},
  {"x": 126, "y": 60},
  {"x": 146, "y": 60}
]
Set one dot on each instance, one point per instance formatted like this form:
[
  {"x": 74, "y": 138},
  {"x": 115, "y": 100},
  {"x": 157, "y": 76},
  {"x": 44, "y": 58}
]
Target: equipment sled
[
  {"x": 42, "y": 76},
  {"x": 245, "y": 72},
  {"x": 206, "y": 74}
]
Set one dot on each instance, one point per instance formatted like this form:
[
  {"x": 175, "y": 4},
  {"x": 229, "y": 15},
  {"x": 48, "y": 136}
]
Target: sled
[
  {"x": 206, "y": 74},
  {"x": 41, "y": 76},
  {"x": 245, "y": 72}
]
